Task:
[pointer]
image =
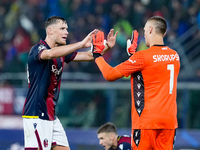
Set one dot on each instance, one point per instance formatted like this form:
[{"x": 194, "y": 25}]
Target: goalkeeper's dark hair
[
  {"x": 53, "y": 20},
  {"x": 107, "y": 127},
  {"x": 160, "y": 24}
]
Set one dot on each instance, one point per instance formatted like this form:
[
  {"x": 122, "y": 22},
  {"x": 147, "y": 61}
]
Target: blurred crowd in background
[{"x": 22, "y": 26}]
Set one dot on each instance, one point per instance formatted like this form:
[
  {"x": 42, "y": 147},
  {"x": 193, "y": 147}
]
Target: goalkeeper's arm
[{"x": 109, "y": 73}]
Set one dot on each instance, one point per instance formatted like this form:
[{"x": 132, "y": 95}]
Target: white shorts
[{"x": 43, "y": 134}]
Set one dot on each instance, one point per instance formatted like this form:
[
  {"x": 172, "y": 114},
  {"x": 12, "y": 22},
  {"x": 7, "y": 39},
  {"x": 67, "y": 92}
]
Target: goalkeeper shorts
[{"x": 153, "y": 139}]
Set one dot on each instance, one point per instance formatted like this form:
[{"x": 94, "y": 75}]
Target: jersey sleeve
[
  {"x": 70, "y": 57},
  {"x": 36, "y": 51},
  {"x": 134, "y": 64},
  {"x": 109, "y": 73}
]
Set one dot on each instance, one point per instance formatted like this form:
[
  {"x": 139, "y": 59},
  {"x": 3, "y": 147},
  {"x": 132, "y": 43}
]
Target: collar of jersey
[
  {"x": 43, "y": 42},
  {"x": 159, "y": 45}
]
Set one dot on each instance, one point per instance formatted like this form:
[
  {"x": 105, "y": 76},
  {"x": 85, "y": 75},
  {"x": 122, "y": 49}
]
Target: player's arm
[
  {"x": 84, "y": 56},
  {"x": 109, "y": 73},
  {"x": 88, "y": 56},
  {"x": 133, "y": 64},
  {"x": 67, "y": 49}
]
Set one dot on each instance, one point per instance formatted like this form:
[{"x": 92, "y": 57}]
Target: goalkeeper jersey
[
  {"x": 44, "y": 78},
  {"x": 154, "y": 75}
]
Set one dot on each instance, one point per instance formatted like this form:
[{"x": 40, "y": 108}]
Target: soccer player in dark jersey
[
  {"x": 154, "y": 74},
  {"x": 42, "y": 129},
  {"x": 110, "y": 140}
]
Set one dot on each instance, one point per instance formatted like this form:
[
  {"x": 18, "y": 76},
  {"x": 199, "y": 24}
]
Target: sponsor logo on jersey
[
  {"x": 55, "y": 70},
  {"x": 172, "y": 57}
]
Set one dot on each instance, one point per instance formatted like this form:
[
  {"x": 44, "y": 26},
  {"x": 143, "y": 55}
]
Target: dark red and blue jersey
[
  {"x": 123, "y": 143},
  {"x": 44, "y": 78}
]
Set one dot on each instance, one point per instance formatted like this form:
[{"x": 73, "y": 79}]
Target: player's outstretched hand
[
  {"x": 111, "y": 38},
  {"x": 87, "y": 41},
  {"x": 110, "y": 42},
  {"x": 132, "y": 44},
  {"x": 98, "y": 44}
]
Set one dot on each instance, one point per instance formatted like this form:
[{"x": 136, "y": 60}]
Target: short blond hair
[
  {"x": 107, "y": 127},
  {"x": 160, "y": 24},
  {"x": 53, "y": 20}
]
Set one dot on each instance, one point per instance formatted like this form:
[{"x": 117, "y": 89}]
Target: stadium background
[{"x": 86, "y": 99}]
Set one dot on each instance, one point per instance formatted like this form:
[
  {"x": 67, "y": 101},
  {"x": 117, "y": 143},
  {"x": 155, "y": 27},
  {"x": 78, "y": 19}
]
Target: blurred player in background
[
  {"x": 154, "y": 74},
  {"x": 110, "y": 140},
  {"x": 42, "y": 129}
]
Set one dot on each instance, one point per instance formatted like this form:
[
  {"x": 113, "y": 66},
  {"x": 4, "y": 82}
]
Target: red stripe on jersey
[
  {"x": 63, "y": 58},
  {"x": 50, "y": 107},
  {"x": 51, "y": 90},
  {"x": 54, "y": 86}
]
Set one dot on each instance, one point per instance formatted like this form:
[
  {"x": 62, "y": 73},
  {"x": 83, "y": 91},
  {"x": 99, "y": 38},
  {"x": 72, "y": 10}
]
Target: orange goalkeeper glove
[
  {"x": 98, "y": 44},
  {"x": 132, "y": 44}
]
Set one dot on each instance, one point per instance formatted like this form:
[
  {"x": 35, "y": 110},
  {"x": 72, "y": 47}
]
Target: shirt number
[{"x": 170, "y": 67}]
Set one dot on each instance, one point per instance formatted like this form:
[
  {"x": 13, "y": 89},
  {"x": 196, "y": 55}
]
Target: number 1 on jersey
[{"x": 170, "y": 67}]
